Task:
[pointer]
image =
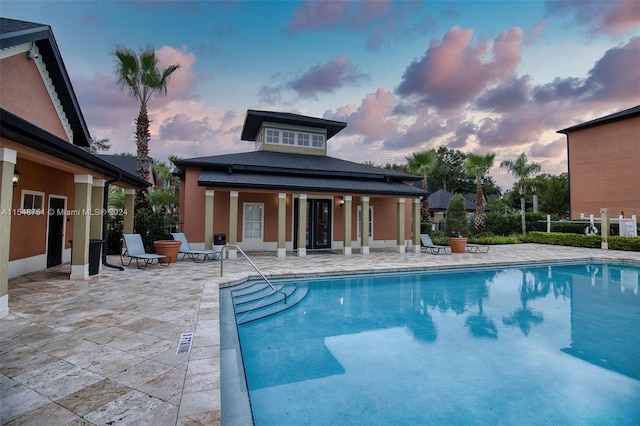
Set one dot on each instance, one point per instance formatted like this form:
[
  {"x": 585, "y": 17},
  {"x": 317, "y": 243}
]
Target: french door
[{"x": 318, "y": 234}]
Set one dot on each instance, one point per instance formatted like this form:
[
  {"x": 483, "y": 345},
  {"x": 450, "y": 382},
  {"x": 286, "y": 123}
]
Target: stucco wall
[
  {"x": 29, "y": 232},
  {"x": 23, "y": 93},
  {"x": 193, "y": 205},
  {"x": 604, "y": 169}
]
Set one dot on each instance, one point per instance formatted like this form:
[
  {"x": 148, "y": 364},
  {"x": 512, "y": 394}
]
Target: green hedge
[{"x": 581, "y": 240}]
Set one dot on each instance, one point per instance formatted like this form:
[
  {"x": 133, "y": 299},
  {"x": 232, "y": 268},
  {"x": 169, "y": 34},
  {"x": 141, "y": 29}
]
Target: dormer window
[
  {"x": 288, "y": 138},
  {"x": 293, "y": 138},
  {"x": 273, "y": 136},
  {"x": 317, "y": 141},
  {"x": 303, "y": 139}
]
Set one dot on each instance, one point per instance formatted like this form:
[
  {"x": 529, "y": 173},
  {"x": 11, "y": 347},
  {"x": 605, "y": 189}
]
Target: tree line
[{"x": 468, "y": 173}]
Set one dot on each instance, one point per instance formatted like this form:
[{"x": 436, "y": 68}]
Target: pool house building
[{"x": 288, "y": 195}]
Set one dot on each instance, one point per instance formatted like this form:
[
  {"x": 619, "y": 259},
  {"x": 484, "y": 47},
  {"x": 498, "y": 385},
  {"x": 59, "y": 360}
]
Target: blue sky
[{"x": 479, "y": 76}]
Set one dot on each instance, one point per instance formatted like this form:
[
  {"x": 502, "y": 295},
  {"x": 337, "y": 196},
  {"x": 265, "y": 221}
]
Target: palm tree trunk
[
  {"x": 142, "y": 158},
  {"x": 425, "y": 216},
  {"x": 478, "y": 215},
  {"x": 523, "y": 194}
]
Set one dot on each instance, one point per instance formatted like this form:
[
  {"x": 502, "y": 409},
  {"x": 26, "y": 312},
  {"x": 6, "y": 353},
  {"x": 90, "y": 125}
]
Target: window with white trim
[
  {"x": 253, "y": 218},
  {"x": 317, "y": 141},
  {"x": 273, "y": 136},
  {"x": 303, "y": 139},
  {"x": 32, "y": 200},
  {"x": 288, "y": 138},
  {"x": 370, "y": 222}
]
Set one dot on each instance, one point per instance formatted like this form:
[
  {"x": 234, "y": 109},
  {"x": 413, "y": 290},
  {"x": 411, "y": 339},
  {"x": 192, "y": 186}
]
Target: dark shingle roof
[
  {"x": 620, "y": 115},
  {"x": 439, "y": 200},
  {"x": 13, "y": 33},
  {"x": 305, "y": 183},
  {"x": 280, "y": 162},
  {"x": 288, "y": 171},
  {"x": 254, "y": 120}
]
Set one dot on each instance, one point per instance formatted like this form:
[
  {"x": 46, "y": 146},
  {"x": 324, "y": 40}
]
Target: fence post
[
  {"x": 604, "y": 221},
  {"x": 548, "y": 223}
]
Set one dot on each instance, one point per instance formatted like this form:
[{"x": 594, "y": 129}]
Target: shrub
[
  {"x": 582, "y": 240},
  {"x": 456, "y": 220}
]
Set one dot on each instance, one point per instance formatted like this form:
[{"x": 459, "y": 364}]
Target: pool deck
[{"x": 103, "y": 350}]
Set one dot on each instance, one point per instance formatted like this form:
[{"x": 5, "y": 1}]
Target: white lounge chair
[
  {"x": 194, "y": 255},
  {"x": 135, "y": 250},
  {"x": 427, "y": 244}
]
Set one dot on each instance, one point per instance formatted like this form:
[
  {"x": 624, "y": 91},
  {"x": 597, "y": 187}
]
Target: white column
[
  {"x": 347, "y": 225},
  {"x": 208, "y": 219},
  {"x": 282, "y": 224},
  {"x": 415, "y": 238},
  {"x": 233, "y": 223},
  {"x": 400, "y": 225},
  {"x": 81, "y": 227},
  {"x": 364, "y": 231},
  {"x": 302, "y": 225},
  {"x": 8, "y": 159}
]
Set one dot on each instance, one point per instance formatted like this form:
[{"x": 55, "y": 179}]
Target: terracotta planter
[
  {"x": 458, "y": 245},
  {"x": 169, "y": 248}
]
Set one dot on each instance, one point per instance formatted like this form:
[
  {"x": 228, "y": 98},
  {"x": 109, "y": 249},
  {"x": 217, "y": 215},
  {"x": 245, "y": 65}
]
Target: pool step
[{"x": 259, "y": 300}]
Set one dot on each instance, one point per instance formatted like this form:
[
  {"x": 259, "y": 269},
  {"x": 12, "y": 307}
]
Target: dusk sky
[{"x": 479, "y": 76}]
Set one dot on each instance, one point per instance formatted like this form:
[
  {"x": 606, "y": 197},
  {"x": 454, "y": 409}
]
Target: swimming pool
[{"x": 552, "y": 344}]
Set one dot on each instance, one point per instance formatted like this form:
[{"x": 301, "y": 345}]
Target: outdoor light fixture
[
  {"x": 16, "y": 177},
  {"x": 341, "y": 201}
]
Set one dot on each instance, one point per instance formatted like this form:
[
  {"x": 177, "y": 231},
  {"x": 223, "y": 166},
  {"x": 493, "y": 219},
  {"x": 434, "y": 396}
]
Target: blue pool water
[{"x": 543, "y": 345}]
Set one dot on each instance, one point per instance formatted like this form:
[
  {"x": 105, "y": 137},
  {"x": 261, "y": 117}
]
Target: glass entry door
[{"x": 318, "y": 224}]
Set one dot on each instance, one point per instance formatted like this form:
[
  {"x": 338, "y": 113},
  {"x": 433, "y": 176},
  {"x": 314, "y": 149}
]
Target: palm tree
[
  {"x": 522, "y": 169},
  {"x": 478, "y": 166},
  {"x": 140, "y": 74},
  {"x": 423, "y": 163}
]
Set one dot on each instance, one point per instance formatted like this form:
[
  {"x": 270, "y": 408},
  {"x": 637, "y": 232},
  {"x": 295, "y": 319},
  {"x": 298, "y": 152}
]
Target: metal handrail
[{"x": 222, "y": 255}]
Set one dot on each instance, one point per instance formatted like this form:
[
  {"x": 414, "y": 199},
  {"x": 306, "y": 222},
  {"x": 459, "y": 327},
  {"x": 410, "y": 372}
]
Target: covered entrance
[{"x": 318, "y": 224}]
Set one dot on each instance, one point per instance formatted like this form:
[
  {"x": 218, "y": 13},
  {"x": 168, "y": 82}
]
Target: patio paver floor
[{"x": 103, "y": 350}]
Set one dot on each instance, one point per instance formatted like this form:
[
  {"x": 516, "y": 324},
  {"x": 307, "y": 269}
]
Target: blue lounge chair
[
  {"x": 427, "y": 244},
  {"x": 135, "y": 250},
  {"x": 192, "y": 254}
]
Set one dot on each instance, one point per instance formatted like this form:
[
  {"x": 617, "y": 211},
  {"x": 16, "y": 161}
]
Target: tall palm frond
[{"x": 423, "y": 163}]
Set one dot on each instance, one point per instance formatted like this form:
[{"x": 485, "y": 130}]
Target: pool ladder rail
[{"x": 258, "y": 300}]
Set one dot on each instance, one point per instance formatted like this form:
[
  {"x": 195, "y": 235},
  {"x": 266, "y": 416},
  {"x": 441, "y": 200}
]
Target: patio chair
[
  {"x": 477, "y": 248},
  {"x": 192, "y": 254},
  {"x": 427, "y": 244},
  {"x": 135, "y": 250}
]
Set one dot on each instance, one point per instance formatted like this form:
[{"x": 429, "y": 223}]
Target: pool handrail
[{"x": 222, "y": 255}]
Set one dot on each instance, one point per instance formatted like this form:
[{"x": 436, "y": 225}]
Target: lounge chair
[
  {"x": 477, "y": 248},
  {"x": 135, "y": 250},
  {"x": 192, "y": 254},
  {"x": 427, "y": 244}
]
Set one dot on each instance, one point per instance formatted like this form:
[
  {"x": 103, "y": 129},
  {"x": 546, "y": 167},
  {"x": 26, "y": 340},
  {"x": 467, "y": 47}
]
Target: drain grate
[{"x": 184, "y": 344}]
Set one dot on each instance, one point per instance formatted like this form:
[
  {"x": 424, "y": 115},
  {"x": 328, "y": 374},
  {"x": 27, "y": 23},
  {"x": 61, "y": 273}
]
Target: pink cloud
[
  {"x": 610, "y": 17},
  {"x": 614, "y": 77},
  {"x": 181, "y": 82},
  {"x": 371, "y": 118},
  {"x": 556, "y": 149},
  {"x": 327, "y": 77},
  {"x": 454, "y": 71},
  {"x": 313, "y": 15}
]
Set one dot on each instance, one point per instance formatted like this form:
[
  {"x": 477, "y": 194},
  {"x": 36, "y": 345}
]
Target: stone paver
[{"x": 103, "y": 351}]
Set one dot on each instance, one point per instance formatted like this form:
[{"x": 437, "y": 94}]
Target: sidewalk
[{"x": 103, "y": 351}]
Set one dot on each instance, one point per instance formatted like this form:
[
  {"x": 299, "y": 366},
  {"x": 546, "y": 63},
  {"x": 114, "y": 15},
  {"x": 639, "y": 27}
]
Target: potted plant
[
  {"x": 456, "y": 224},
  {"x": 168, "y": 247}
]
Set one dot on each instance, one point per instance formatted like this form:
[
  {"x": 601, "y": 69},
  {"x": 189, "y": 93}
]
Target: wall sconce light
[
  {"x": 341, "y": 201},
  {"x": 16, "y": 177}
]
